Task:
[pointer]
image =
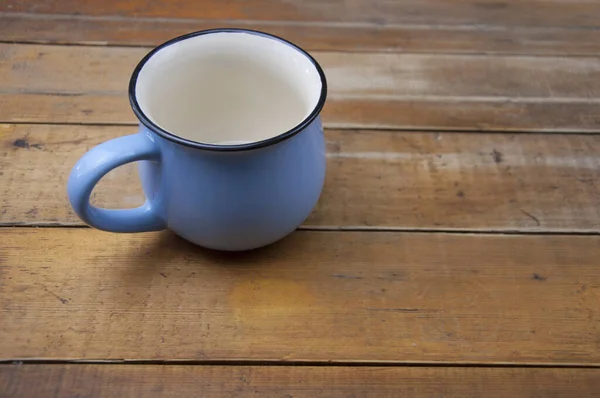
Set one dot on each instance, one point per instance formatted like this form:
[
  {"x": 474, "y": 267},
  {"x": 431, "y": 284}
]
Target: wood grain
[
  {"x": 33, "y": 381},
  {"x": 412, "y": 91},
  {"x": 326, "y": 36},
  {"x": 375, "y": 179},
  {"x": 315, "y": 296},
  {"x": 552, "y": 13}
]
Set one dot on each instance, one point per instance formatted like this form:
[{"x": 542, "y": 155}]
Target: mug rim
[{"x": 145, "y": 120}]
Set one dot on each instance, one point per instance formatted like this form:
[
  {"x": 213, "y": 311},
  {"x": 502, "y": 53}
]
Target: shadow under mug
[{"x": 230, "y": 147}]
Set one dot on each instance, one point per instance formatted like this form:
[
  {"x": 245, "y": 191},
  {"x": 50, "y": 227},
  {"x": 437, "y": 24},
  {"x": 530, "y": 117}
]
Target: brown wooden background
[{"x": 455, "y": 250}]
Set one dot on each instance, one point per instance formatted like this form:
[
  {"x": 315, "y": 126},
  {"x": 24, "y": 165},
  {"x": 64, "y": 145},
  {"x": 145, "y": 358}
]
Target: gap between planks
[
  {"x": 347, "y": 128},
  {"x": 148, "y": 47},
  {"x": 340, "y": 51},
  {"x": 350, "y": 228},
  {"x": 275, "y": 363}
]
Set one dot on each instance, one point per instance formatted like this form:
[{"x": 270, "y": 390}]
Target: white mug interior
[{"x": 228, "y": 87}]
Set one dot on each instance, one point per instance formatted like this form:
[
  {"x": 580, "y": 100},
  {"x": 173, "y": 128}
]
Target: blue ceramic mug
[{"x": 230, "y": 147}]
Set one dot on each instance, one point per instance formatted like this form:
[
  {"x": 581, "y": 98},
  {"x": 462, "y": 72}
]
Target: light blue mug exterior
[{"x": 217, "y": 198}]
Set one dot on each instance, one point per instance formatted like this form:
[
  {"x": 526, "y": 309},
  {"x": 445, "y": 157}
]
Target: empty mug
[{"x": 230, "y": 147}]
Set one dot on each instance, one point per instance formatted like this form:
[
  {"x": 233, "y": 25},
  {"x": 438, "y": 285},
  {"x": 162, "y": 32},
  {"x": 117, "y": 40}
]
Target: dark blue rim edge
[{"x": 224, "y": 148}]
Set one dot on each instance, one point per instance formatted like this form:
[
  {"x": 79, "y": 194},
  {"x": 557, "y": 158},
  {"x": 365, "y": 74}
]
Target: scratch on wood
[
  {"x": 23, "y": 143},
  {"x": 402, "y": 310},
  {"x": 70, "y": 142},
  {"x": 189, "y": 276},
  {"x": 538, "y": 277},
  {"x": 62, "y": 94},
  {"x": 497, "y": 156},
  {"x": 393, "y": 276},
  {"x": 62, "y": 300},
  {"x": 534, "y": 218},
  {"x": 343, "y": 276}
]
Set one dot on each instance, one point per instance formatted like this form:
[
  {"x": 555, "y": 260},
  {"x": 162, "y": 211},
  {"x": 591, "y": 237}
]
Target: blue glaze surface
[{"x": 224, "y": 200}]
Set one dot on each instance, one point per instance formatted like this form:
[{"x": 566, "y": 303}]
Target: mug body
[
  {"x": 230, "y": 145},
  {"x": 236, "y": 200}
]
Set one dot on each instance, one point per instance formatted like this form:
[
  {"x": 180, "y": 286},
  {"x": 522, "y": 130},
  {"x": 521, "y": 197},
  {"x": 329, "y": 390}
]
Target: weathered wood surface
[
  {"x": 315, "y": 296},
  {"x": 98, "y": 381},
  {"x": 324, "y": 36},
  {"x": 375, "y": 179},
  {"x": 441, "y": 68},
  {"x": 78, "y": 84}
]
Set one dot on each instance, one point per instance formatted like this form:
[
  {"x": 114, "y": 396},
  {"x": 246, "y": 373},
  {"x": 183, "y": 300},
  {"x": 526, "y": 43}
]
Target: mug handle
[{"x": 98, "y": 162}]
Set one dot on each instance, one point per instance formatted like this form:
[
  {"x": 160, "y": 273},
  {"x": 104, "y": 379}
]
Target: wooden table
[{"x": 455, "y": 251}]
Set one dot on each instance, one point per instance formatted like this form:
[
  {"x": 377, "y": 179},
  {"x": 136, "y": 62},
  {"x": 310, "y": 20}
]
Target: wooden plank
[
  {"x": 571, "y": 13},
  {"x": 327, "y": 36},
  {"x": 417, "y": 91},
  {"x": 316, "y": 296},
  {"x": 33, "y": 381},
  {"x": 375, "y": 179},
  {"x": 413, "y": 114}
]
